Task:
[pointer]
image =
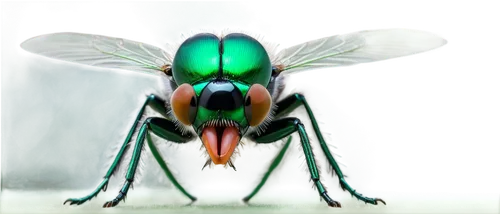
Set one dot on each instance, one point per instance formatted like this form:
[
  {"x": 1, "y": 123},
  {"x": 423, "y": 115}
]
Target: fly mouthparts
[{"x": 219, "y": 123}]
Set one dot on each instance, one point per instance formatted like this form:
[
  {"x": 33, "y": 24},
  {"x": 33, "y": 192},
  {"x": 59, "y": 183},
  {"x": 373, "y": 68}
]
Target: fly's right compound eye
[
  {"x": 257, "y": 104},
  {"x": 184, "y": 104}
]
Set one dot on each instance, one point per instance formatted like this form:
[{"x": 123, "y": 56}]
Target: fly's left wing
[
  {"x": 100, "y": 51},
  {"x": 354, "y": 48},
  {"x": 114, "y": 52}
]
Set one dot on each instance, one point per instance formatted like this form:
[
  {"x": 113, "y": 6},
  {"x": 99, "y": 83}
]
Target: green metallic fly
[{"x": 225, "y": 88}]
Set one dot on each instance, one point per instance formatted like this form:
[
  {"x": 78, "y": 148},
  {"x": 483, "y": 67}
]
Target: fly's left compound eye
[
  {"x": 257, "y": 104},
  {"x": 184, "y": 104}
]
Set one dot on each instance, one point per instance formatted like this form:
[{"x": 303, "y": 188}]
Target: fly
[{"x": 228, "y": 90}]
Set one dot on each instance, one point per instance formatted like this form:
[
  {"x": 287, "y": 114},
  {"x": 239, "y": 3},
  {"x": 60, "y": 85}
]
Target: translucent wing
[
  {"x": 358, "y": 47},
  {"x": 101, "y": 51}
]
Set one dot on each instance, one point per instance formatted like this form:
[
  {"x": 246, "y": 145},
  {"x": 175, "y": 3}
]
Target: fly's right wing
[
  {"x": 355, "y": 48},
  {"x": 100, "y": 51}
]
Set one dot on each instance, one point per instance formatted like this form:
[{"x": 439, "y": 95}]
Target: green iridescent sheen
[
  {"x": 244, "y": 62},
  {"x": 198, "y": 87},
  {"x": 203, "y": 115},
  {"x": 197, "y": 59},
  {"x": 237, "y": 115},
  {"x": 245, "y": 59},
  {"x": 243, "y": 87}
]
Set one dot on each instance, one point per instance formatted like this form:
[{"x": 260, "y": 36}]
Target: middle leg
[
  {"x": 281, "y": 128},
  {"x": 274, "y": 164},
  {"x": 289, "y": 104}
]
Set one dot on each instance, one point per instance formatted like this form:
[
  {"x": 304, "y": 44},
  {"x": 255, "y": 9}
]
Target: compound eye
[
  {"x": 184, "y": 104},
  {"x": 257, "y": 104}
]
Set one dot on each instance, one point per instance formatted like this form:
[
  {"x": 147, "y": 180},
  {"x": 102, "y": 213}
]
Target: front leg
[
  {"x": 281, "y": 128},
  {"x": 156, "y": 104},
  {"x": 289, "y": 104},
  {"x": 165, "y": 129}
]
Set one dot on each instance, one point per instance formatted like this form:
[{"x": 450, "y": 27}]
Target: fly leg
[
  {"x": 292, "y": 102},
  {"x": 274, "y": 164},
  {"x": 154, "y": 102},
  {"x": 281, "y": 128},
  {"x": 165, "y": 129}
]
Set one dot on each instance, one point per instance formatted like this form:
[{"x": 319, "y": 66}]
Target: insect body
[{"x": 225, "y": 88}]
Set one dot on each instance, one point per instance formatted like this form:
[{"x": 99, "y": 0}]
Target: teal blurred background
[{"x": 59, "y": 120}]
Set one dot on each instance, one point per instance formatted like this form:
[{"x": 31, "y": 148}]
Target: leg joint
[
  {"x": 157, "y": 103},
  {"x": 151, "y": 97},
  {"x": 299, "y": 96},
  {"x": 150, "y": 120},
  {"x": 297, "y": 123}
]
